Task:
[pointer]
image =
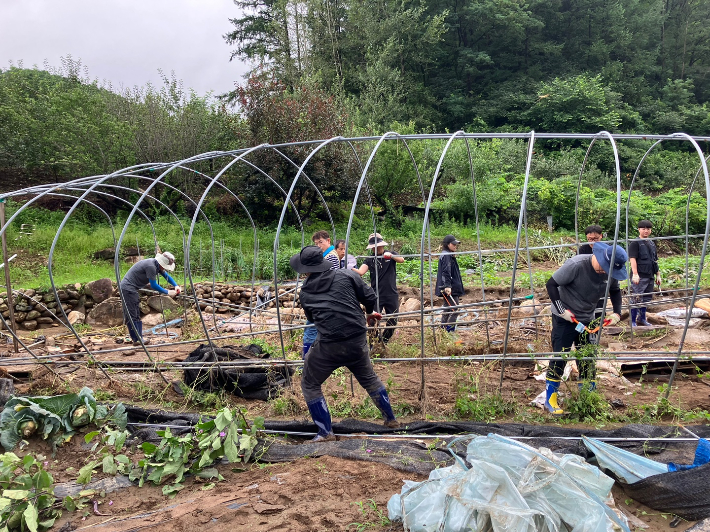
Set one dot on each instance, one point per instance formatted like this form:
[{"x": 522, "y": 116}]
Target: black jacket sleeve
[
  {"x": 445, "y": 271},
  {"x": 554, "y": 292}
]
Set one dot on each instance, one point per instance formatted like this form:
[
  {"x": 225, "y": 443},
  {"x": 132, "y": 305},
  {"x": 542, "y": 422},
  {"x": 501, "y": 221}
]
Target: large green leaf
[
  {"x": 16, "y": 494},
  {"x": 31, "y": 515}
]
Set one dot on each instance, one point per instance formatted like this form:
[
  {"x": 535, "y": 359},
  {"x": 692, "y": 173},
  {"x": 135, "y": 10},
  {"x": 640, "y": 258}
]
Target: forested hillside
[
  {"x": 361, "y": 67},
  {"x": 549, "y": 65}
]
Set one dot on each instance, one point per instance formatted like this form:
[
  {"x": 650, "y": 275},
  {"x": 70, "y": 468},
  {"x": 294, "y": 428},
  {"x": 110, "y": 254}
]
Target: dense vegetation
[{"x": 356, "y": 67}]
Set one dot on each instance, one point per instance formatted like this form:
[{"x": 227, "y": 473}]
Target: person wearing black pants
[
  {"x": 449, "y": 284},
  {"x": 644, "y": 267},
  {"x": 331, "y": 299},
  {"x": 383, "y": 279},
  {"x": 574, "y": 291}
]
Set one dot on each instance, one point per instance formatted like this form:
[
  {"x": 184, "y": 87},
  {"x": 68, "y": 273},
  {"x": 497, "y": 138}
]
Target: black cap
[
  {"x": 450, "y": 239},
  {"x": 310, "y": 260}
]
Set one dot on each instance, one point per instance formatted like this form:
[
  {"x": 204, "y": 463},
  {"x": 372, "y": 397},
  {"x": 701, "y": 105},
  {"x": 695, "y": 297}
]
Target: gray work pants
[{"x": 325, "y": 357}]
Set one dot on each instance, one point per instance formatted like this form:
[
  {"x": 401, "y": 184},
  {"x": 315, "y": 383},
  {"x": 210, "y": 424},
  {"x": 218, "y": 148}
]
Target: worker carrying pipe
[
  {"x": 574, "y": 290},
  {"x": 142, "y": 273},
  {"x": 331, "y": 299},
  {"x": 449, "y": 284}
]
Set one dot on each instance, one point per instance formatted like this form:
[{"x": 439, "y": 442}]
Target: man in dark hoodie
[
  {"x": 449, "y": 284},
  {"x": 331, "y": 299}
]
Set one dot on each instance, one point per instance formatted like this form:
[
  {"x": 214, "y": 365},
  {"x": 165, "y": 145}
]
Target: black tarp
[{"x": 249, "y": 383}]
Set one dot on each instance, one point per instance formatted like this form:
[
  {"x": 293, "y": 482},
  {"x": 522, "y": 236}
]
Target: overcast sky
[{"x": 125, "y": 41}]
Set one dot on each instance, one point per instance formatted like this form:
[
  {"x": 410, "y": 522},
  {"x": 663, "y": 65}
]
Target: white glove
[
  {"x": 612, "y": 320},
  {"x": 447, "y": 290},
  {"x": 172, "y": 293},
  {"x": 178, "y": 290},
  {"x": 567, "y": 315},
  {"x": 387, "y": 255},
  {"x": 635, "y": 278}
]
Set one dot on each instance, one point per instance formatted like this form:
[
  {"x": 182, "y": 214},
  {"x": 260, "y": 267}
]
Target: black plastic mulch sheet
[
  {"x": 249, "y": 383},
  {"x": 684, "y": 493}
]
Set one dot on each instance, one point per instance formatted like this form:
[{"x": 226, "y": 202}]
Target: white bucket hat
[
  {"x": 166, "y": 260},
  {"x": 376, "y": 240}
]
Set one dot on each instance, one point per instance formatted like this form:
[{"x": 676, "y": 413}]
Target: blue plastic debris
[
  {"x": 702, "y": 456},
  {"x": 174, "y": 323},
  {"x": 627, "y": 466}
]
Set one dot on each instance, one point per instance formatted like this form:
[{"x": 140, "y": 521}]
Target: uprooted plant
[{"x": 227, "y": 435}]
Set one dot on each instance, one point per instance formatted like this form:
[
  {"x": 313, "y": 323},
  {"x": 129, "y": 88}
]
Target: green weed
[{"x": 372, "y": 516}]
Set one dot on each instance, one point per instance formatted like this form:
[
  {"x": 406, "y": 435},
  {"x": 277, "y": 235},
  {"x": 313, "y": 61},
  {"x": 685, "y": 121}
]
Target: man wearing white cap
[
  {"x": 142, "y": 273},
  {"x": 383, "y": 279}
]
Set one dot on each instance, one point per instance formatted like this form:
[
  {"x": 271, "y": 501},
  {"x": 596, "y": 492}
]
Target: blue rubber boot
[
  {"x": 139, "y": 327},
  {"x": 451, "y": 328},
  {"x": 306, "y": 348},
  {"x": 382, "y": 401},
  {"x": 551, "y": 404},
  {"x": 633, "y": 313},
  {"x": 133, "y": 330},
  {"x": 321, "y": 417},
  {"x": 641, "y": 319}
]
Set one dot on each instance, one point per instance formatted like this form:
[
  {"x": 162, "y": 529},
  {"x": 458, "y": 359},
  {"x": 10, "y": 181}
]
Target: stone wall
[
  {"x": 40, "y": 308},
  {"x": 98, "y": 302}
]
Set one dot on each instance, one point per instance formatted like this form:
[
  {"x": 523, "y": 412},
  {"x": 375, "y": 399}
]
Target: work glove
[
  {"x": 387, "y": 255},
  {"x": 372, "y": 318},
  {"x": 568, "y": 315},
  {"x": 635, "y": 278},
  {"x": 172, "y": 293},
  {"x": 612, "y": 320},
  {"x": 178, "y": 290},
  {"x": 447, "y": 290}
]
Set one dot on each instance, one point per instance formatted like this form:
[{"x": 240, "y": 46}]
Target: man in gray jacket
[{"x": 331, "y": 299}]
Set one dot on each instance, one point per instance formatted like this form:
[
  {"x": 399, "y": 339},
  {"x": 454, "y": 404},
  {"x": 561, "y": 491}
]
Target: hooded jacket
[
  {"x": 332, "y": 301},
  {"x": 448, "y": 274}
]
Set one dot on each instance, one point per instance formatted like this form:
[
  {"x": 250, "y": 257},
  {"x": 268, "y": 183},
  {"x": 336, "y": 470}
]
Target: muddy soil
[{"x": 330, "y": 493}]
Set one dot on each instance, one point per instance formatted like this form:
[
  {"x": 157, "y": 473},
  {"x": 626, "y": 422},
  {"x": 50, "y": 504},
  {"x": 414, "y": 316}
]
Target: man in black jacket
[
  {"x": 448, "y": 281},
  {"x": 643, "y": 258},
  {"x": 331, "y": 299}
]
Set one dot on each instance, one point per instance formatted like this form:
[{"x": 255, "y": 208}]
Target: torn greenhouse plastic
[
  {"x": 631, "y": 467},
  {"x": 627, "y": 466},
  {"x": 510, "y": 487}
]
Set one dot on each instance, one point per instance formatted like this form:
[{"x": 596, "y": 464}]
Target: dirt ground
[
  {"x": 308, "y": 495},
  {"x": 329, "y": 493}
]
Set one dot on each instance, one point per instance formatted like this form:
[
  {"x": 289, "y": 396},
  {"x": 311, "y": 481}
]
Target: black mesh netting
[
  {"x": 250, "y": 383},
  {"x": 683, "y": 493}
]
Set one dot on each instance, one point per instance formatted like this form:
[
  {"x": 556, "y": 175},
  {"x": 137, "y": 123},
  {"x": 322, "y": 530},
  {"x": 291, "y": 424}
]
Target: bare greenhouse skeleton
[{"x": 148, "y": 180}]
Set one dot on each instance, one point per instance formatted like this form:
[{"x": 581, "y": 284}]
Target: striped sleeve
[{"x": 334, "y": 260}]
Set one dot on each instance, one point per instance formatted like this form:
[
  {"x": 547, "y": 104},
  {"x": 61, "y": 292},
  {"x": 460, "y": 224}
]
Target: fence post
[{"x": 10, "y": 304}]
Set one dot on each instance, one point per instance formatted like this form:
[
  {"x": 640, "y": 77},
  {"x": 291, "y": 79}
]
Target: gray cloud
[{"x": 125, "y": 42}]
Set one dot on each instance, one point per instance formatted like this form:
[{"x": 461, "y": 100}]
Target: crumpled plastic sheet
[
  {"x": 632, "y": 468},
  {"x": 676, "y": 316},
  {"x": 508, "y": 486},
  {"x": 627, "y": 466}
]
